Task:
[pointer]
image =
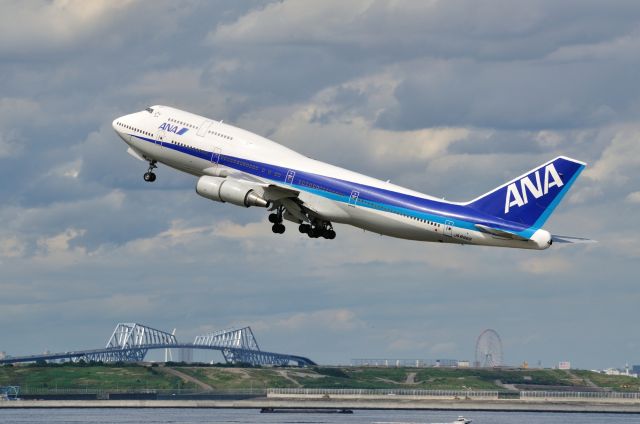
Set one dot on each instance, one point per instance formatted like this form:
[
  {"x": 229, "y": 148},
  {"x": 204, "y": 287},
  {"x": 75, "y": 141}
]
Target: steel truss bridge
[{"x": 130, "y": 342}]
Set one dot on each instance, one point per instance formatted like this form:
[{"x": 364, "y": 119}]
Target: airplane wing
[
  {"x": 296, "y": 204},
  {"x": 272, "y": 191},
  {"x": 277, "y": 194},
  {"x": 296, "y": 210}
]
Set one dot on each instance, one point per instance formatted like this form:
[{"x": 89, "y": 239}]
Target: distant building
[
  {"x": 3, "y": 354},
  {"x": 186, "y": 355},
  {"x": 398, "y": 362},
  {"x": 635, "y": 369},
  {"x": 564, "y": 365},
  {"x": 617, "y": 371},
  {"x": 464, "y": 364}
]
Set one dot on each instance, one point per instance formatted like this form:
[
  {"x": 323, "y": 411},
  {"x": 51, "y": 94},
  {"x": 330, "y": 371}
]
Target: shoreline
[{"x": 443, "y": 405}]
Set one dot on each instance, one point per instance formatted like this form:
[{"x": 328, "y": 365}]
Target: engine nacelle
[{"x": 229, "y": 190}]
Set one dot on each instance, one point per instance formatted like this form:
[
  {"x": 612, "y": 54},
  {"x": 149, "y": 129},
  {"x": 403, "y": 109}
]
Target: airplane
[{"x": 242, "y": 168}]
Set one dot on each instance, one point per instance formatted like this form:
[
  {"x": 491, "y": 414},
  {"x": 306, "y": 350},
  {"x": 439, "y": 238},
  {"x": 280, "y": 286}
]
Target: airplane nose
[
  {"x": 118, "y": 127},
  {"x": 116, "y": 124}
]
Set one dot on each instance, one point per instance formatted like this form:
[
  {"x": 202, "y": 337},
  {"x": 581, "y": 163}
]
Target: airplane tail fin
[{"x": 530, "y": 198}]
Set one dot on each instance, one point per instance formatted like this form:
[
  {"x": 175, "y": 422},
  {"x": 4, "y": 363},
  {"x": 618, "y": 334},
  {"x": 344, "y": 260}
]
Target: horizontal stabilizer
[
  {"x": 500, "y": 233},
  {"x": 568, "y": 239}
]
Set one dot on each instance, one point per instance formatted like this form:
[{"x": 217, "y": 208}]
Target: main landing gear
[
  {"x": 318, "y": 229},
  {"x": 149, "y": 176},
  {"x": 276, "y": 220}
]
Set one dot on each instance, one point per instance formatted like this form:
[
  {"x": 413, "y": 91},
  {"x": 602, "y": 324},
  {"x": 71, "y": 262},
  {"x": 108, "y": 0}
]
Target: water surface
[{"x": 253, "y": 416}]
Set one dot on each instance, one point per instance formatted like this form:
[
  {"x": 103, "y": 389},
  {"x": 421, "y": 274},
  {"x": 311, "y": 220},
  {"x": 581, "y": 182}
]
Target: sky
[{"x": 450, "y": 98}]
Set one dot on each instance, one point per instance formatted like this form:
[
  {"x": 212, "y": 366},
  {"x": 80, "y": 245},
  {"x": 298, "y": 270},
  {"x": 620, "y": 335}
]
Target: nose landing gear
[{"x": 149, "y": 176}]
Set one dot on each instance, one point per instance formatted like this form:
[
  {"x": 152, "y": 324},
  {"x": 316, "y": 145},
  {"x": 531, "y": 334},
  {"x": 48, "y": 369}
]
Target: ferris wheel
[{"x": 488, "y": 349}]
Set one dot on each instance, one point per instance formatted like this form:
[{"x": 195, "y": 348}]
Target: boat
[
  {"x": 460, "y": 420},
  {"x": 304, "y": 411}
]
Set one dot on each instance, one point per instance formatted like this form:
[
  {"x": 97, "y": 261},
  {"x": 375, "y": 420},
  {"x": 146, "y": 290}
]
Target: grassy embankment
[
  {"x": 88, "y": 376},
  {"x": 618, "y": 383},
  {"x": 226, "y": 378}
]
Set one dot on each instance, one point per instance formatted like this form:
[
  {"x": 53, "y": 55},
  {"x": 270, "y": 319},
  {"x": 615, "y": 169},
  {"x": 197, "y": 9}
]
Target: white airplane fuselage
[{"x": 309, "y": 192}]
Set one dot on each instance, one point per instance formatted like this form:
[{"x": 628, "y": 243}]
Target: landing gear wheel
[
  {"x": 304, "y": 228},
  {"x": 315, "y": 232},
  {"x": 318, "y": 229},
  {"x": 273, "y": 218},
  {"x": 149, "y": 176},
  {"x": 278, "y": 228},
  {"x": 329, "y": 234}
]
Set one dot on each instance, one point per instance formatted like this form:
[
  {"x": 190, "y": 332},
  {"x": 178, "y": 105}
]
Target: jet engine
[{"x": 229, "y": 190}]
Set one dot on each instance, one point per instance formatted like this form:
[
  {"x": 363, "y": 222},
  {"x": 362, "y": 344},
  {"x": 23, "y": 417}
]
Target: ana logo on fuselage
[
  {"x": 173, "y": 128},
  {"x": 518, "y": 196}
]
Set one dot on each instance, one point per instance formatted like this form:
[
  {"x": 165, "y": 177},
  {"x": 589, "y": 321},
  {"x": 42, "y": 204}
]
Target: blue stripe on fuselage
[{"x": 369, "y": 197}]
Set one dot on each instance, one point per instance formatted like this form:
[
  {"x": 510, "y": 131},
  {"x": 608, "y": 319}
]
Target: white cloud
[
  {"x": 546, "y": 265},
  {"x": 403, "y": 340},
  {"x": 443, "y": 348},
  {"x": 406, "y": 343},
  {"x": 11, "y": 247},
  {"x": 439, "y": 28},
  {"x": 363, "y": 140},
  {"x": 340, "y": 320},
  {"x": 620, "y": 160},
  {"x": 113, "y": 306},
  {"x": 52, "y": 24},
  {"x": 57, "y": 252},
  {"x": 622, "y": 244},
  {"x": 416, "y": 145},
  {"x": 68, "y": 170},
  {"x": 60, "y": 242},
  {"x": 168, "y": 83},
  {"x": 9, "y": 145},
  {"x": 607, "y": 50},
  {"x": 549, "y": 139},
  {"x": 290, "y": 22},
  {"x": 18, "y": 110},
  {"x": 633, "y": 197},
  {"x": 324, "y": 126}
]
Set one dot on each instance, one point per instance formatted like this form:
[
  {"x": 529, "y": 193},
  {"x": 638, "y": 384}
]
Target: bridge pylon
[
  {"x": 239, "y": 346},
  {"x": 130, "y": 342}
]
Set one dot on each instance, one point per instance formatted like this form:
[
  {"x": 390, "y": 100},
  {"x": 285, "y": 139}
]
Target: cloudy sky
[{"x": 451, "y": 98}]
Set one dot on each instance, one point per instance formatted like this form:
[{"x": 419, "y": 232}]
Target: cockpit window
[{"x": 150, "y": 110}]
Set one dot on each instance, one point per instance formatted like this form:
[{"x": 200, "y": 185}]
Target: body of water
[{"x": 250, "y": 416}]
